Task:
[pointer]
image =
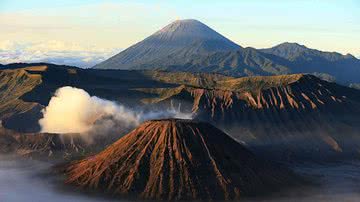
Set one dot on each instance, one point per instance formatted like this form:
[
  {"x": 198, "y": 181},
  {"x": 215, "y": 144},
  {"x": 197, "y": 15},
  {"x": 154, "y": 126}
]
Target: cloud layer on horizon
[
  {"x": 30, "y": 35},
  {"x": 120, "y": 24},
  {"x": 57, "y": 52}
]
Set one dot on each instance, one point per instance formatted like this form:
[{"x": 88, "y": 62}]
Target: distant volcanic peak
[
  {"x": 175, "y": 159},
  {"x": 194, "y": 29},
  {"x": 183, "y": 25},
  {"x": 179, "y": 39},
  {"x": 187, "y": 35}
]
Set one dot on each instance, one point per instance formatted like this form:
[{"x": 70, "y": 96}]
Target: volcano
[
  {"x": 177, "y": 159},
  {"x": 177, "y": 41}
]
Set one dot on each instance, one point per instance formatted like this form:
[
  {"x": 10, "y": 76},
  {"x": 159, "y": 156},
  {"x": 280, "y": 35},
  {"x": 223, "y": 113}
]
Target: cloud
[
  {"x": 73, "y": 110},
  {"x": 57, "y": 52}
]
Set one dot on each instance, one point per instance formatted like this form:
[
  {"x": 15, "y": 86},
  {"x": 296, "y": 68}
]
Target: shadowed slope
[
  {"x": 177, "y": 159},
  {"x": 305, "y": 117}
]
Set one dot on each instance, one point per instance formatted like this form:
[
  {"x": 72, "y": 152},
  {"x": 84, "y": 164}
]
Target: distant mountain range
[{"x": 189, "y": 45}]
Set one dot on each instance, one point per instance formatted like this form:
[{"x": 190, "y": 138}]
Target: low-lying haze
[
  {"x": 21, "y": 179},
  {"x": 26, "y": 180}
]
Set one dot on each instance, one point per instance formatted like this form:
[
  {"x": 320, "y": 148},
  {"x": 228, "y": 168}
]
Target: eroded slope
[{"x": 178, "y": 159}]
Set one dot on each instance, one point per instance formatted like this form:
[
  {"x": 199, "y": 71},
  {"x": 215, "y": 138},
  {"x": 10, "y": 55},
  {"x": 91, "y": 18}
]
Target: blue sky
[{"x": 105, "y": 27}]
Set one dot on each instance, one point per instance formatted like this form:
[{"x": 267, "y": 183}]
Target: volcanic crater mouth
[{"x": 176, "y": 120}]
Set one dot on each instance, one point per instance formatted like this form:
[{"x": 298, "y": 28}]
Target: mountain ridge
[
  {"x": 288, "y": 49},
  {"x": 190, "y": 45}
]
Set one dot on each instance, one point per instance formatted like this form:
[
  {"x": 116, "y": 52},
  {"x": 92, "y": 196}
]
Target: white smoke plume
[{"x": 73, "y": 110}]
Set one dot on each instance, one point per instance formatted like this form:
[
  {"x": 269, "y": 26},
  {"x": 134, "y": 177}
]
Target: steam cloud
[{"x": 73, "y": 110}]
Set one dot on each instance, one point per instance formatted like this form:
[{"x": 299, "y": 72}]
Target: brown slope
[
  {"x": 177, "y": 159},
  {"x": 14, "y": 84},
  {"x": 43, "y": 145},
  {"x": 286, "y": 92},
  {"x": 296, "y": 115}
]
